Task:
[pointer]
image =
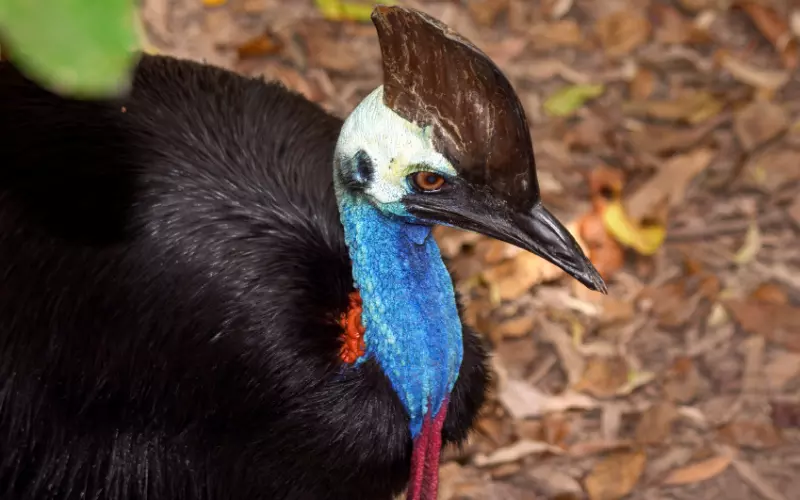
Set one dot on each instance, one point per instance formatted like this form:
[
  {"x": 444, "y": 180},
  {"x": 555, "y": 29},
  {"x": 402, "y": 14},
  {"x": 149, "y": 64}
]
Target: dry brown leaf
[
  {"x": 655, "y": 425},
  {"x": 591, "y": 132},
  {"x": 513, "y": 278},
  {"x": 615, "y": 476},
  {"x": 770, "y": 293},
  {"x": 773, "y": 168},
  {"x": 668, "y": 140},
  {"x": 760, "y": 78},
  {"x": 682, "y": 380},
  {"x": 604, "y": 251},
  {"x": 674, "y": 28},
  {"x": 571, "y": 360},
  {"x": 556, "y": 483},
  {"x": 293, "y": 79},
  {"x": 262, "y": 45},
  {"x": 516, "y": 327},
  {"x": 668, "y": 184},
  {"x": 615, "y": 310},
  {"x": 758, "y": 122},
  {"x": 451, "y": 241},
  {"x": 514, "y": 452},
  {"x": 779, "y": 323},
  {"x": 523, "y": 400},
  {"x": 786, "y": 414},
  {"x": 603, "y": 376},
  {"x": 622, "y": 32},
  {"x": 548, "y": 36},
  {"x": 754, "y": 479},
  {"x": 690, "y": 106},
  {"x": 781, "y": 370},
  {"x": 485, "y": 12},
  {"x": 758, "y": 434},
  {"x": 700, "y": 471},
  {"x": 775, "y": 28},
  {"x": 642, "y": 85}
]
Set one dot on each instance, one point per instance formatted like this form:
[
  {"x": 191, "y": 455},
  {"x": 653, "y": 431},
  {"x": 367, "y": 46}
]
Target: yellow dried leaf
[
  {"x": 751, "y": 245},
  {"x": 699, "y": 471},
  {"x": 645, "y": 240},
  {"x": 615, "y": 476}
]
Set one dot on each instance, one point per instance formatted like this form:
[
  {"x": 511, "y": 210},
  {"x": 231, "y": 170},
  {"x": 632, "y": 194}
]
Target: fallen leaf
[
  {"x": 605, "y": 253},
  {"x": 262, "y": 45},
  {"x": 555, "y": 429},
  {"x": 773, "y": 168},
  {"x": 548, "y": 36},
  {"x": 770, "y": 293},
  {"x": 515, "y": 327},
  {"x": 644, "y": 239},
  {"x": 668, "y": 140},
  {"x": 603, "y": 376},
  {"x": 615, "y": 476},
  {"x": 786, "y": 414},
  {"x": 690, "y": 106},
  {"x": 759, "y": 122},
  {"x": 339, "y": 10},
  {"x": 700, "y": 471},
  {"x": 569, "y": 99},
  {"x": 485, "y": 12},
  {"x": 674, "y": 28},
  {"x": 655, "y": 425},
  {"x": 759, "y": 434},
  {"x": 523, "y": 400},
  {"x": 589, "y": 133},
  {"x": 668, "y": 184},
  {"x": 335, "y": 53},
  {"x": 682, "y": 380},
  {"x": 514, "y": 452},
  {"x": 452, "y": 241},
  {"x": 778, "y": 323},
  {"x": 621, "y": 32},
  {"x": 754, "y": 479},
  {"x": 214, "y": 3},
  {"x": 556, "y": 483},
  {"x": 752, "y": 75},
  {"x": 775, "y": 28},
  {"x": 293, "y": 79},
  {"x": 615, "y": 310},
  {"x": 514, "y": 277},
  {"x": 751, "y": 245},
  {"x": 571, "y": 360},
  {"x": 781, "y": 370},
  {"x": 642, "y": 85}
]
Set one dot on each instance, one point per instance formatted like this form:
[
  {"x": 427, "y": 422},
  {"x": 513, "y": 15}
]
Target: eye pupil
[{"x": 428, "y": 181}]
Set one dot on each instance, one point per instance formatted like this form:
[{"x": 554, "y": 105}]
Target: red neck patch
[{"x": 353, "y": 335}]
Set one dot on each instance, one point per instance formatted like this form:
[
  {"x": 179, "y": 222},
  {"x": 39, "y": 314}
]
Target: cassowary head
[{"x": 445, "y": 141}]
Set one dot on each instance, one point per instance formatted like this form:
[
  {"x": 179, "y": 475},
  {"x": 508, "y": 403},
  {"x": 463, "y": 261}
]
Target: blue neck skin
[{"x": 409, "y": 309}]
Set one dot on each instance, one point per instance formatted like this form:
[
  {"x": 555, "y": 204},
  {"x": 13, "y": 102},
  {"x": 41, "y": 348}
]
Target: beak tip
[{"x": 594, "y": 281}]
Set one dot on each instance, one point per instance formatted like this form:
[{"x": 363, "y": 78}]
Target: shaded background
[{"x": 667, "y": 135}]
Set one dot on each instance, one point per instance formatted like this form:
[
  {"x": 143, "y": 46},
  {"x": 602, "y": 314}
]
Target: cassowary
[{"x": 212, "y": 289}]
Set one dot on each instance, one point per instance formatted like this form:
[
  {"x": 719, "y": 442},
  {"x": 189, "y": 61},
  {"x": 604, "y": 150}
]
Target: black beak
[{"x": 535, "y": 230}]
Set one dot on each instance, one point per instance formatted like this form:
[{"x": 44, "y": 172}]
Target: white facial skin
[{"x": 396, "y": 147}]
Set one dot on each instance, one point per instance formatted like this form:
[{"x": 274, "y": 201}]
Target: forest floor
[{"x": 667, "y": 134}]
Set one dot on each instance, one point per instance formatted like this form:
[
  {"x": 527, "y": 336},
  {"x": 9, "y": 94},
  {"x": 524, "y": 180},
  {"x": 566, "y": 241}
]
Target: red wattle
[{"x": 424, "y": 481}]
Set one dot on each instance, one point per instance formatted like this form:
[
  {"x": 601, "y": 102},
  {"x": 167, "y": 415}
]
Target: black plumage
[{"x": 172, "y": 269}]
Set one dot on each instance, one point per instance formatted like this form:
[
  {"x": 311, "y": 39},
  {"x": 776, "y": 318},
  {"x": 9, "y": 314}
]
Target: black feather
[{"x": 171, "y": 266}]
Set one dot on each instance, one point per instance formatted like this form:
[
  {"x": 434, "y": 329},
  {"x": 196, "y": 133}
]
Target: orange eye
[{"x": 427, "y": 181}]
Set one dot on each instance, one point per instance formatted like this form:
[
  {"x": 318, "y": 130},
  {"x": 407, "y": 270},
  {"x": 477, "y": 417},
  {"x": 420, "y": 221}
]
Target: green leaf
[
  {"x": 85, "y": 48},
  {"x": 569, "y": 99},
  {"x": 338, "y": 10}
]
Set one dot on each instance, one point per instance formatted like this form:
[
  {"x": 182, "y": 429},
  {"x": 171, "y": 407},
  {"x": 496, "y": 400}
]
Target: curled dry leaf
[
  {"x": 615, "y": 476},
  {"x": 514, "y": 452},
  {"x": 752, "y": 75},
  {"x": 675, "y": 28},
  {"x": 668, "y": 184},
  {"x": 700, "y": 471},
  {"x": 603, "y": 376},
  {"x": 655, "y": 425},
  {"x": 642, "y": 85},
  {"x": 758, "y": 434},
  {"x": 758, "y": 122},
  {"x": 645, "y": 239},
  {"x": 548, "y": 36},
  {"x": 751, "y": 245},
  {"x": 779, "y": 323},
  {"x": 690, "y": 106},
  {"x": 523, "y": 400},
  {"x": 775, "y": 28},
  {"x": 514, "y": 277},
  {"x": 622, "y": 32},
  {"x": 668, "y": 140},
  {"x": 773, "y": 168}
]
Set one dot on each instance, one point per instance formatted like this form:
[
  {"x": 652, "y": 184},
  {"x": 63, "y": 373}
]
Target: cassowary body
[
  {"x": 180, "y": 266},
  {"x": 173, "y": 267}
]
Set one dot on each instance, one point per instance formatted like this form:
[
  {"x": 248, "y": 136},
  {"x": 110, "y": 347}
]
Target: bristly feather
[{"x": 170, "y": 264}]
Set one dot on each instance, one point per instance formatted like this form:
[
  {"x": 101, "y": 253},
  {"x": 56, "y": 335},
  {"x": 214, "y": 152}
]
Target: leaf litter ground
[{"x": 668, "y": 135}]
